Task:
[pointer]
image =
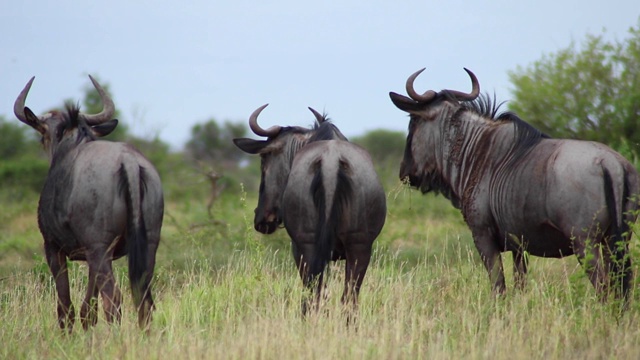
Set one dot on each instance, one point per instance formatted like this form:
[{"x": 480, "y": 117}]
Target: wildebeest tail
[
  {"x": 617, "y": 199},
  {"x": 328, "y": 221},
  {"x": 132, "y": 187}
]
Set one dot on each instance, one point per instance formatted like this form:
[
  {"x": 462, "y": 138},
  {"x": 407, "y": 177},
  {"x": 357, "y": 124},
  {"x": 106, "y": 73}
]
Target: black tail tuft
[
  {"x": 326, "y": 231},
  {"x": 621, "y": 271},
  {"x": 323, "y": 248},
  {"x": 136, "y": 237}
]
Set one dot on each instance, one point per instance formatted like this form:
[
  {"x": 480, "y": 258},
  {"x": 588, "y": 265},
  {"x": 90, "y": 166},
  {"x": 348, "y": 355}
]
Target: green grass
[{"x": 225, "y": 292}]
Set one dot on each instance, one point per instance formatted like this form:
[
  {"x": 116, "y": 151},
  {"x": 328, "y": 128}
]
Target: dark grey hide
[
  {"x": 326, "y": 192},
  {"x": 520, "y": 190},
  {"x": 101, "y": 200}
]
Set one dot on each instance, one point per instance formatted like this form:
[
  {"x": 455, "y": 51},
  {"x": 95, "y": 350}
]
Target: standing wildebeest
[
  {"x": 101, "y": 200},
  {"x": 520, "y": 190},
  {"x": 326, "y": 191}
]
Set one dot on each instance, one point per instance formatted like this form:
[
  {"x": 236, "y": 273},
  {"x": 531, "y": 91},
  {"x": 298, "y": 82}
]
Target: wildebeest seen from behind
[
  {"x": 520, "y": 190},
  {"x": 101, "y": 200},
  {"x": 326, "y": 192}
]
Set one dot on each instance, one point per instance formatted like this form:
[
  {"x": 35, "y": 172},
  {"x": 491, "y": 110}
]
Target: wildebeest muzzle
[{"x": 267, "y": 222}]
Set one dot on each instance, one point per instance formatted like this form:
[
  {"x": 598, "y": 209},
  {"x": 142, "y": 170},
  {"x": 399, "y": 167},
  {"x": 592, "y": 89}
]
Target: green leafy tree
[
  {"x": 590, "y": 93},
  {"x": 386, "y": 148},
  {"x": 211, "y": 143},
  {"x": 23, "y": 166},
  {"x": 383, "y": 145},
  {"x": 16, "y": 139}
]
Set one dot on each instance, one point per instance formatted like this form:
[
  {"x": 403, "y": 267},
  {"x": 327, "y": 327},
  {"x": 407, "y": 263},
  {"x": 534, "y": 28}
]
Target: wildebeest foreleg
[
  {"x": 58, "y": 265},
  {"x": 519, "y": 269},
  {"x": 490, "y": 255}
]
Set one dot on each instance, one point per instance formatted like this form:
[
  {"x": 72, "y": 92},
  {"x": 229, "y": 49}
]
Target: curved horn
[
  {"x": 426, "y": 97},
  {"x": 319, "y": 118},
  {"x": 475, "y": 89},
  {"x": 108, "y": 109},
  {"x": 18, "y": 106},
  {"x": 253, "y": 124}
]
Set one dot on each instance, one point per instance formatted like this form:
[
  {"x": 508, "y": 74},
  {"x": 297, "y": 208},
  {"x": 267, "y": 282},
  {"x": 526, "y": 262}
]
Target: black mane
[
  {"x": 316, "y": 127},
  {"x": 325, "y": 119},
  {"x": 526, "y": 135},
  {"x": 71, "y": 115},
  {"x": 325, "y": 131},
  {"x": 73, "y": 119},
  {"x": 485, "y": 105},
  {"x": 488, "y": 107}
]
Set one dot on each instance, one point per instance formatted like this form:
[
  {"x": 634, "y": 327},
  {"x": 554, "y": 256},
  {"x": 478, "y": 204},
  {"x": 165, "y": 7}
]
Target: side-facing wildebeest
[
  {"x": 101, "y": 200},
  {"x": 326, "y": 192},
  {"x": 520, "y": 190}
]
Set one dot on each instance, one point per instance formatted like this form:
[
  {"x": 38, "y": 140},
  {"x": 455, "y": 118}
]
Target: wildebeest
[
  {"x": 520, "y": 190},
  {"x": 101, "y": 200},
  {"x": 326, "y": 192}
]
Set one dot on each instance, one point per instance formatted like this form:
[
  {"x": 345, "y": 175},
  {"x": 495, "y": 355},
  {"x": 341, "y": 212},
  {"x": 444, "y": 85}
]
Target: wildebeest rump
[
  {"x": 520, "y": 190},
  {"x": 326, "y": 192},
  {"x": 101, "y": 200}
]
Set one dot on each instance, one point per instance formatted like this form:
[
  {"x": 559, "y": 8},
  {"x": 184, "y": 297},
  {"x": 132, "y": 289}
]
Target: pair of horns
[
  {"x": 92, "y": 119},
  {"x": 430, "y": 94},
  {"x": 425, "y": 97},
  {"x": 274, "y": 130}
]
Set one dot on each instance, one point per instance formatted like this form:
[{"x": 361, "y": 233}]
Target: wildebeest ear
[
  {"x": 250, "y": 146},
  {"x": 404, "y": 103},
  {"x": 105, "y": 128},
  {"x": 34, "y": 121}
]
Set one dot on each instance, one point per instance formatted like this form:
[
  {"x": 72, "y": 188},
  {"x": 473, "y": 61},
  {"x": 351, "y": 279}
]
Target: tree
[
  {"x": 16, "y": 139},
  {"x": 23, "y": 166},
  {"x": 383, "y": 145},
  {"x": 591, "y": 93},
  {"x": 211, "y": 143},
  {"x": 386, "y": 148}
]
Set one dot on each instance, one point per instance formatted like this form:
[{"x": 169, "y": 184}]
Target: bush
[{"x": 26, "y": 173}]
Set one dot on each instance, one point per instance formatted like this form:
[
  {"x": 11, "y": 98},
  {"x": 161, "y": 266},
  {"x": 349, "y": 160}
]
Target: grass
[{"x": 225, "y": 292}]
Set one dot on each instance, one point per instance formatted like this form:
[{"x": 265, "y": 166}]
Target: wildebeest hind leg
[
  {"x": 111, "y": 295},
  {"x": 358, "y": 258},
  {"x": 620, "y": 270},
  {"x": 58, "y": 265},
  {"x": 146, "y": 307},
  {"x": 311, "y": 281},
  {"x": 593, "y": 260},
  {"x": 89, "y": 309}
]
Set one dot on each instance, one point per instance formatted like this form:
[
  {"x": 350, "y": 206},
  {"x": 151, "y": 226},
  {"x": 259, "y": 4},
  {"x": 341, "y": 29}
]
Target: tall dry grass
[{"x": 223, "y": 292}]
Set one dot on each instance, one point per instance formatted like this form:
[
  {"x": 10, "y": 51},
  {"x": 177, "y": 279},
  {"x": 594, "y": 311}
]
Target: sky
[{"x": 171, "y": 65}]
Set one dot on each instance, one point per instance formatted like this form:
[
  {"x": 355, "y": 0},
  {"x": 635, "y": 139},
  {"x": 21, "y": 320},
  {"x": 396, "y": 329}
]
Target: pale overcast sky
[{"x": 173, "y": 64}]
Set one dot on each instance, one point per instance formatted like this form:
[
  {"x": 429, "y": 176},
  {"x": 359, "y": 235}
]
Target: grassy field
[{"x": 225, "y": 292}]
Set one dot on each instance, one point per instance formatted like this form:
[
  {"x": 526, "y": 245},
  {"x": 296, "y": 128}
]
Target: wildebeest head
[
  {"x": 426, "y": 112},
  {"x": 70, "y": 127},
  {"x": 276, "y": 153}
]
